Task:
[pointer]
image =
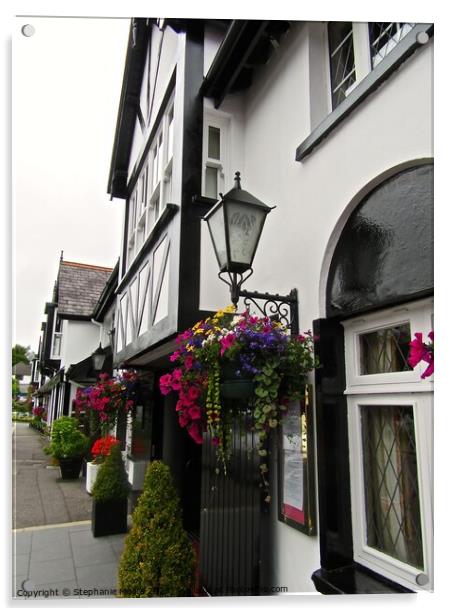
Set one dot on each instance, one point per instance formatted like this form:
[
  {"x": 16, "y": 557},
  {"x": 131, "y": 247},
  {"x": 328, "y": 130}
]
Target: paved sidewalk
[
  {"x": 65, "y": 562},
  {"x": 54, "y": 554},
  {"x": 40, "y": 496}
]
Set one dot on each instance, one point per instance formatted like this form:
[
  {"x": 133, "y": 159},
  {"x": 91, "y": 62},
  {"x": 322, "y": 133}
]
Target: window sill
[
  {"x": 354, "y": 580},
  {"x": 369, "y": 84}
]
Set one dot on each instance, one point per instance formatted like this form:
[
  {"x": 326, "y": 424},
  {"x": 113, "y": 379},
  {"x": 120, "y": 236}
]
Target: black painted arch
[{"x": 385, "y": 252}]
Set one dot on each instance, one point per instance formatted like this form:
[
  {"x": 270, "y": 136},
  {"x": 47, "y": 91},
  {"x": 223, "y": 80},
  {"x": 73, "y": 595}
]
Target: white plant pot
[{"x": 91, "y": 474}]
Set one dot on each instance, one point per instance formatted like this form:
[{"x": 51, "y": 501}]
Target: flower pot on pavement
[
  {"x": 110, "y": 490},
  {"x": 70, "y": 467},
  {"x": 109, "y": 517},
  {"x": 91, "y": 474}
]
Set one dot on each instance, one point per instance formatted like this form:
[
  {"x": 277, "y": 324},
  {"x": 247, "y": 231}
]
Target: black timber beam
[{"x": 128, "y": 107}]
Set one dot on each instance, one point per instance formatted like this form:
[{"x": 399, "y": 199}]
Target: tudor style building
[
  {"x": 70, "y": 335},
  {"x": 332, "y": 123}
]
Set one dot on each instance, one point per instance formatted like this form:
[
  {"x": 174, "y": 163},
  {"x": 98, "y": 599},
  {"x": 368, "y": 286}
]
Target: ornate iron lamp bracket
[{"x": 284, "y": 308}]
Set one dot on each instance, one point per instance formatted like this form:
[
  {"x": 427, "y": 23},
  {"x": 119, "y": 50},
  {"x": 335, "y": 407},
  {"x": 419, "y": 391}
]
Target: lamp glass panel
[
  {"x": 245, "y": 223},
  {"x": 98, "y": 360},
  {"x": 217, "y": 230}
]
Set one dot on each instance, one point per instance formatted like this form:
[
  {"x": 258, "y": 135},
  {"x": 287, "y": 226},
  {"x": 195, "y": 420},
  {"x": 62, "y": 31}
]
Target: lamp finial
[{"x": 237, "y": 180}]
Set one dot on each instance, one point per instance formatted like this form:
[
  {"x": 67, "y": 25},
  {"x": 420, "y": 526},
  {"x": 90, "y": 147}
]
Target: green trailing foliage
[
  {"x": 66, "y": 439},
  {"x": 158, "y": 558},
  {"x": 111, "y": 480}
]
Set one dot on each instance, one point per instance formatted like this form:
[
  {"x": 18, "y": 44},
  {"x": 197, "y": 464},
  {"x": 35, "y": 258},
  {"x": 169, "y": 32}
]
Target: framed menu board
[{"x": 296, "y": 485}]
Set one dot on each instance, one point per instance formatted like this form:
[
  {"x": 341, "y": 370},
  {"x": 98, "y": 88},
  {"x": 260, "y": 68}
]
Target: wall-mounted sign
[{"x": 296, "y": 466}]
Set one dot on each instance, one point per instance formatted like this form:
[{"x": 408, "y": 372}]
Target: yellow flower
[
  {"x": 199, "y": 331},
  {"x": 230, "y": 309}
]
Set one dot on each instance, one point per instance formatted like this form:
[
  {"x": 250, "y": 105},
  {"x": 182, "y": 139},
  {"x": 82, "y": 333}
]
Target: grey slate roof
[{"x": 79, "y": 287}]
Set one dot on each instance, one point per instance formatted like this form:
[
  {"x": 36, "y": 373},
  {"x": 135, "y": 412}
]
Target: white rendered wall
[
  {"x": 80, "y": 339},
  {"x": 389, "y": 129}
]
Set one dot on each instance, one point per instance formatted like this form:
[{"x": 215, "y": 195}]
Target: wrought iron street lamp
[
  {"x": 235, "y": 224},
  {"x": 98, "y": 358}
]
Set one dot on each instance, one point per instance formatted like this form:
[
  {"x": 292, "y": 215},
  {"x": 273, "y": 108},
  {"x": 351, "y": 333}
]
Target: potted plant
[
  {"x": 68, "y": 445},
  {"x": 100, "y": 450},
  {"x": 229, "y": 362},
  {"x": 110, "y": 490},
  {"x": 158, "y": 558}
]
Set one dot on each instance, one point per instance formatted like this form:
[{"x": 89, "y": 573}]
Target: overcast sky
[{"x": 66, "y": 86}]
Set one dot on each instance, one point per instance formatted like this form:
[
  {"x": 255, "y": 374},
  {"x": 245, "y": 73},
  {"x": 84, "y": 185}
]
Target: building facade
[
  {"x": 69, "y": 335},
  {"x": 332, "y": 123}
]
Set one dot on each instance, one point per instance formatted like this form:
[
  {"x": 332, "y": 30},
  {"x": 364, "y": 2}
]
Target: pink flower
[
  {"x": 227, "y": 342},
  {"x": 165, "y": 384},
  {"x": 418, "y": 351},
  {"x": 195, "y": 432},
  {"x": 188, "y": 362},
  {"x": 194, "y": 412},
  {"x": 183, "y": 419},
  {"x": 429, "y": 370},
  {"x": 175, "y": 356},
  {"x": 193, "y": 393}
]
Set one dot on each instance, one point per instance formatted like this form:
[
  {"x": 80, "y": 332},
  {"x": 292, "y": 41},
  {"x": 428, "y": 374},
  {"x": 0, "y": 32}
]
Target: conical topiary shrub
[
  {"x": 158, "y": 558},
  {"x": 110, "y": 490}
]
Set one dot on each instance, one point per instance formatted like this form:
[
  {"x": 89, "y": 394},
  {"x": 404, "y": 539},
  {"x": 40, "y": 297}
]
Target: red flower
[{"x": 102, "y": 446}]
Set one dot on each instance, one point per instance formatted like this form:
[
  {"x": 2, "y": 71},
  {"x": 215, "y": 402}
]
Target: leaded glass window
[
  {"x": 393, "y": 518},
  {"x": 384, "y": 36},
  {"x": 342, "y": 60},
  {"x": 385, "y": 350}
]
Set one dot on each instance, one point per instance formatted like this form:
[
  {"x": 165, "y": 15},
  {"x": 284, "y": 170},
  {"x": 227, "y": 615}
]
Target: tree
[
  {"x": 158, "y": 558},
  {"x": 21, "y": 353}
]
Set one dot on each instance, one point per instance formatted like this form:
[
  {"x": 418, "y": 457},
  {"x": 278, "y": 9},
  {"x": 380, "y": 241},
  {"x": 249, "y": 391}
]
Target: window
[
  {"x": 153, "y": 188},
  {"x": 57, "y": 336},
  {"x": 390, "y": 414},
  {"x": 215, "y": 154},
  {"x": 357, "y": 48}
]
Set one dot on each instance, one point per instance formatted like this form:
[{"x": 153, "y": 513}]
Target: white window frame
[
  {"x": 420, "y": 320},
  {"x": 56, "y": 334},
  {"x": 222, "y": 122},
  {"x": 391, "y": 389}
]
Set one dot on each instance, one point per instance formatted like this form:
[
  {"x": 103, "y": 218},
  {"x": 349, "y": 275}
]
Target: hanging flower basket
[
  {"x": 233, "y": 385},
  {"x": 231, "y": 358}
]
